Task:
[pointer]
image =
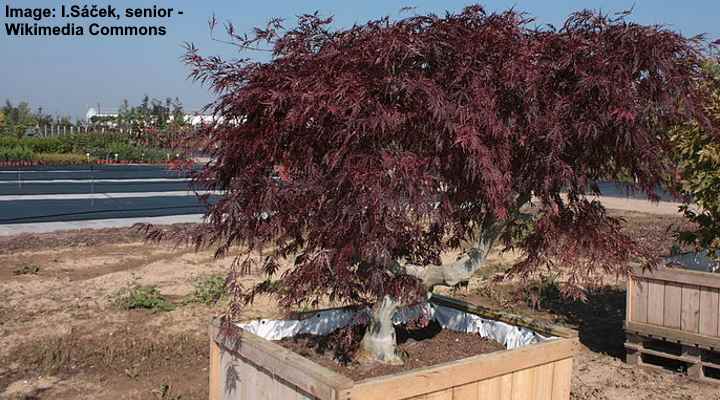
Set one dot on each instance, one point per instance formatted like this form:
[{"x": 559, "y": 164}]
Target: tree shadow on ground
[{"x": 599, "y": 319}]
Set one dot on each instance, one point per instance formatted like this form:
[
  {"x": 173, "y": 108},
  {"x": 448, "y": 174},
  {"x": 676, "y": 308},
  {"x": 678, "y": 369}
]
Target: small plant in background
[
  {"x": 142, "y": 297},
  {"x": 207, "y": 290},
  {"x": 165, "y": 393},
  {"x": 31, "y": 269},
  {"x": 54, "y": 354}
]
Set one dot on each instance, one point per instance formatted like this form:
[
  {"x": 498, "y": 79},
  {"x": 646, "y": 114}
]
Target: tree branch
[
  {"x": 475, "y": 258},
  {"x": 462, "y": 269}
]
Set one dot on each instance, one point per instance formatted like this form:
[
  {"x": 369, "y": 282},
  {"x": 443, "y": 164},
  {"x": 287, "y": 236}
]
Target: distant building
[
  {"x": 92, "y": 112},
  {"x": 107, "y": 117}
]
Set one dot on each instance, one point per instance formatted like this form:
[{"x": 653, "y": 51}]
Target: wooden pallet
[{"x": 697, "y": 362}]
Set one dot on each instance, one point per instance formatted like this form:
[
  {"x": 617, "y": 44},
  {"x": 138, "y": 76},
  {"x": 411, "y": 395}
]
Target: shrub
[
  {"x": 142, "y": 297},
  {"x": 60, "y": 159},
  {"x": 16, "y": 153},
  {"x": 48, "y": 145},
  {"x": 125, "y": 151},
  {"x": 208, "y": 290},
  {"x": 9, "y": 141},
  {"x": 698, "y": 154},
  {"x": 155, "y": 154}
]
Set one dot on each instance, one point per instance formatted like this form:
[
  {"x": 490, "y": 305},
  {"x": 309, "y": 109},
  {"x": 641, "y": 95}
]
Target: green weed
[
  {"x": 207, "y": 290},
  {"x": 142, "y": 297},
  {"x": 27, "y": 270}
]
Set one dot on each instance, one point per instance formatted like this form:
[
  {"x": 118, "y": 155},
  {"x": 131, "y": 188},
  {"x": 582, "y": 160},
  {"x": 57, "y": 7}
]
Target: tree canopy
[
  {"x": 399, "y": 140},
  {"x": 698, "y": 156}
]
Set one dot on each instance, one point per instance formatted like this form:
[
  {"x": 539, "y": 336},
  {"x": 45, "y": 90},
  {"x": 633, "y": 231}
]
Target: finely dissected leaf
[{"x": 399, "y": 139}]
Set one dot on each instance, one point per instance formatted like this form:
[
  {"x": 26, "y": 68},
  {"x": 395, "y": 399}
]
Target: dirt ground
[{"x": 62, "y": 336}]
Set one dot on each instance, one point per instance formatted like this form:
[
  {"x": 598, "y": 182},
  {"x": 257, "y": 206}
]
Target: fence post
[{"x": 92, "y": 185}]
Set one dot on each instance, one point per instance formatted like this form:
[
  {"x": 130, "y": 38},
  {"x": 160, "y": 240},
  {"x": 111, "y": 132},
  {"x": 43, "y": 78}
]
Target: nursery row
[{"x": 80, "y": 148}]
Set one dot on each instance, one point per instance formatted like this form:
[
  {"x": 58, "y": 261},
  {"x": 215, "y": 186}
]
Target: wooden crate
[
  {"x": 244, "y": 366},
  {"x": 672, "y": 317},
  {"x": 679, "y": 305}
]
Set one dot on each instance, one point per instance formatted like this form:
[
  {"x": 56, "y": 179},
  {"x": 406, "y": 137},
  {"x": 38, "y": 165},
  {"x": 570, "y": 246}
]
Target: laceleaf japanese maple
[{"x": 365, "y": 153}]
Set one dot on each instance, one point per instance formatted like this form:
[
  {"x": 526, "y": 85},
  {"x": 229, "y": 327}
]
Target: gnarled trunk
[{"x": 379, "y": 342}]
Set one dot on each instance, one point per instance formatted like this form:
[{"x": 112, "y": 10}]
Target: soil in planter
[{"x": 420, "y": 347}]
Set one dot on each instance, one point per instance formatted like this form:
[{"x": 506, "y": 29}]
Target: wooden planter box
[
  {"x": 245, "y": 366},
  {"x": 674, "y": 314}
]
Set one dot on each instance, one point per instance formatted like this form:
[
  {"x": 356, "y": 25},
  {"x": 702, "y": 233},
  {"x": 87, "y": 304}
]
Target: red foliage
[{"x": 395, "y": 139}]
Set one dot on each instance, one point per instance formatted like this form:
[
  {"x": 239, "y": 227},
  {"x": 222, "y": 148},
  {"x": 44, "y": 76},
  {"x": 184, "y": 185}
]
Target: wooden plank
[
  {"x": 628, "y": 297},
  {"x": 472, "y": 369},
  {"x": 690, "y": 318},
  {"x": 506, "y": 387},
  {"x": 523, "y": 383},
  {"x": 231, "y": 383},
  {"x": 562, "y": 379},
  {"x": 248, "y": 378},
  {"x": 308, "y": 376},
  {"x": 498, "y": 388},
  {"x": 673, "y": 335},
  {"x": 441, "y": 395},
  {"x": 469, "y": 391},
  {"x": 543, "y": 327},
  {"x": 641, "y": 349},
  {"x": 266, "y": 386},
  {"x": 656, "y": 302},
  {"x": 492, "y": 389},
  {"x": 215, "y": 391},
  {"x": 672, "y": 309},
  {"x": 709, "y": 305},
  {"x": 684, "y": 276},
  {"x": 287, "y": 392},
  {"x": 639, "y": 299},
  {"x": 544, "y": 382}
]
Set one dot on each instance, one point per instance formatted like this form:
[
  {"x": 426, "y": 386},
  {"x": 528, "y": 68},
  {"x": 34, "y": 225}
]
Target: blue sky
[{"x": 66, "y": 75}]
